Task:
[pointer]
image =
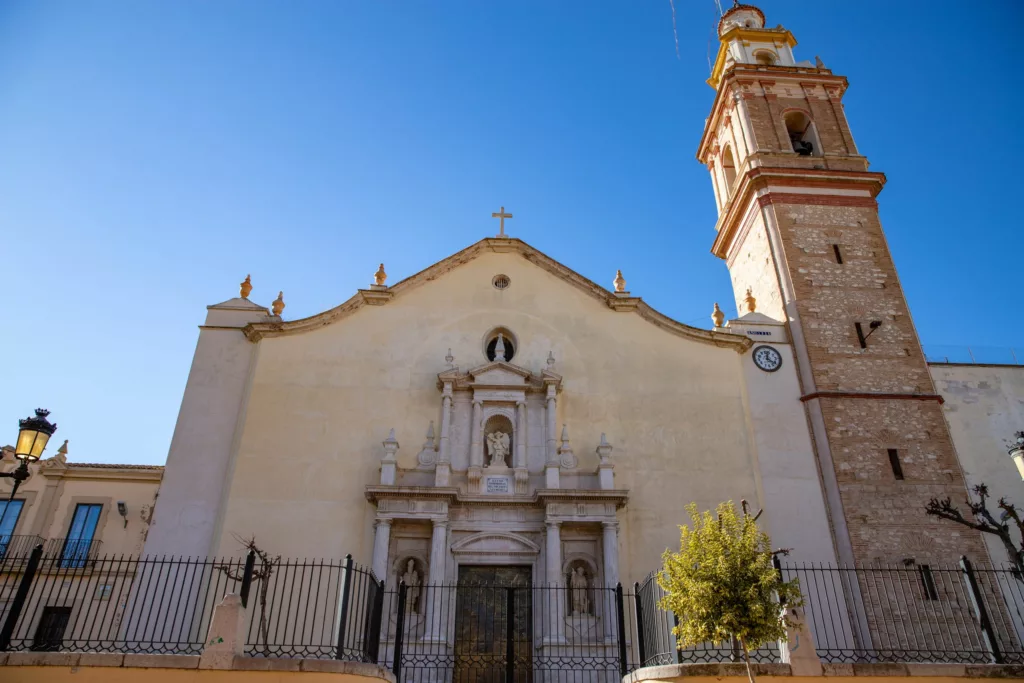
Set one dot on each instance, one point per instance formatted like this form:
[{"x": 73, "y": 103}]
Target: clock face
[{"x": 767, "y": 358}]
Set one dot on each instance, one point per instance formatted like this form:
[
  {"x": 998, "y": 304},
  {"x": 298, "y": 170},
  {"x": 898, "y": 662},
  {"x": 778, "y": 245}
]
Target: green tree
[{"x": 722, "y": 583}]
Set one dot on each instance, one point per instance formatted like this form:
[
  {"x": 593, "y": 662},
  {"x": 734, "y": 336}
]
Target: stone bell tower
[{"x": 798, "y": 225}]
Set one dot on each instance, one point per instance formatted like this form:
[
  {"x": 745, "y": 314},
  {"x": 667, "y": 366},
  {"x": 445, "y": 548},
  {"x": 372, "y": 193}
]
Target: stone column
[
  {"x": 433, "y": 593},
  {"x": 381, "y": 543},
  {"x": 556, "y": 603},
  {"x": 476, "y": 446},
  {"x": 611, "y": 553},
  {"x": 522, "y": 474},
  {"x": 611, "y": 578},
  {"x": 442, "y": 473},
  {"x": 551, "y": 427}
]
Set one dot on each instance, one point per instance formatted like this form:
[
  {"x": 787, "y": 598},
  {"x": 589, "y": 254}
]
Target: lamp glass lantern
[
  {"x": 1017, "y": 454},
  {"x": 33, "y": 435}
]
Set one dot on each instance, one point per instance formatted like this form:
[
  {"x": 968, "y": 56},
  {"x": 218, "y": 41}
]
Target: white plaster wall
[
  {"x": 322, "y": 401},
  {"x": 984, "y": 408},
  {"x": 794, "y": 506},
  {"x": 184, "y": 521}
]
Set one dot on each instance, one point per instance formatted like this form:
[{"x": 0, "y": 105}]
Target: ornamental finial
[
  {"x": 278, "y": 304},
  {"x": 717, "y": 316},
  {"x": 245, "y": 287},
  {"x": 750, "y": 300},
  {"x": 499, "y": 348},
  {"x": 380, "y": 276},
  {"x": 619, "y": 282}
]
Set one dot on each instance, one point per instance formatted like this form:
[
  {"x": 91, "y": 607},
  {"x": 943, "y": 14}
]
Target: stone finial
[
  {"x": 427, "y": 455},
  {"x": 604, "y": 450},
  {"x": 390, "y": 446},
  {"x": 380, "y": 276},
  {"x": 389, "y": 463},
  {"x": 619, "y": 282},
  {"x": 449, "y": 359},
  {"x": 551, "y": 359},
  {"x": 499, "y": 348},
  {"x": 750, "y": 300},
  {"x": 605, "y": 469},
  {"x": 278, "y": 304},
  {"x": 245, "y": 287},
  {"x": 818, "y": 63},
  {"x": 566, "y": 458},
  {"x": 717, "y": 316}
]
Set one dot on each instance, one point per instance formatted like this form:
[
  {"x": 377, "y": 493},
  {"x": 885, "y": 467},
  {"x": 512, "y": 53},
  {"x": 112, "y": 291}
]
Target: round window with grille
[{"x": 501, "y": 281}]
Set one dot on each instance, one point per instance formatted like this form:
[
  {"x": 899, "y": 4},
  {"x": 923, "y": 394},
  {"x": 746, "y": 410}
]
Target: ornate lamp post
[
  {"x": 1017, "y": 453},
  {"x": 33, "y": 434}
]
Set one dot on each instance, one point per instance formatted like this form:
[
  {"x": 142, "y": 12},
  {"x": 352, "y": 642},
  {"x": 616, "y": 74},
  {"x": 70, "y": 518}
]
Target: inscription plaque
[{"x": 497, "y": 485}]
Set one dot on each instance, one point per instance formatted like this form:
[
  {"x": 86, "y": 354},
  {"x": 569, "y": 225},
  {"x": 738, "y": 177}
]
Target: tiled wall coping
[
  {"x": 675, "y": 672},
  {"x": 152, "y": 661}
]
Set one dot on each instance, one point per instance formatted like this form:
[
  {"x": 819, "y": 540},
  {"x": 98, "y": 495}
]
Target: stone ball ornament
[{"x": 767, "y": 358}]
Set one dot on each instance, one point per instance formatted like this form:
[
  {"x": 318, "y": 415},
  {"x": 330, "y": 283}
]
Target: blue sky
[{"x": 153, "y": 153}]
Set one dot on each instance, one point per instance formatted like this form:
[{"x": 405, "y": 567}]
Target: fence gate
[{"x": 493, "y": 625}]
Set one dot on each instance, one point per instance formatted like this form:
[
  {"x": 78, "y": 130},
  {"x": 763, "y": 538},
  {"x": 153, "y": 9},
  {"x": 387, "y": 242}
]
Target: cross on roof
[{"x": 502, "y": 215}]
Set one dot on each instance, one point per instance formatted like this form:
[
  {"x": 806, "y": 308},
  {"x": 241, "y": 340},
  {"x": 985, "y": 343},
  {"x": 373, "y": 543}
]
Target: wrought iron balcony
[
  {"x": 18, "y": 545},
  {"x": 71, "y": 553}
]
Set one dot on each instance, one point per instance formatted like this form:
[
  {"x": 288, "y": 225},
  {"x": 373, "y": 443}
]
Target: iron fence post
[
  {"x": 639, "y": 615},
  {"x": 675, "y": 641},
  {"x": 18, "y": 603},
  {"x": 346, "y": 591},
  {"x": 989, "y": 636},
  {"x": 621, "y": 614},
  {"x": 396, "y": 666},
  {"x": 378, "y": 617},
  {"x": 250, "y": 566},
  {"x": 510, "y": 627}
]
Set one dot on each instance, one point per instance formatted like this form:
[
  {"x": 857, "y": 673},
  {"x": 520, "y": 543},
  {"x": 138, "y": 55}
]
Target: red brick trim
[
  {"x": 816, "y": 199},
  {"x": 885, "y": 397}
]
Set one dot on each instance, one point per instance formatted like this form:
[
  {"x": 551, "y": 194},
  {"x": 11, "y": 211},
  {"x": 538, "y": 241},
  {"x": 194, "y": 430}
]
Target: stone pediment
[
  {"x": 496, "y": 543},
  {"x": 632, "y": 305},
  {"x": 500, "y": 374}
]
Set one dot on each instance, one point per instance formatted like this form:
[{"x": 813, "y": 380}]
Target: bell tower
[{"x": 798, "y": 225}]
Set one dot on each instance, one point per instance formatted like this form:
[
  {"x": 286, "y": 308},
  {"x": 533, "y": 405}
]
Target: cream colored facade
[
  {"x": 57, "y": 487},
  {"x": 686, "y": 414},
  {"x": 984, "y": 407}
]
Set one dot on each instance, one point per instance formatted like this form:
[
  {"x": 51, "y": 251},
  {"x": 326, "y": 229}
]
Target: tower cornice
[{"x": 793, "y": 185}]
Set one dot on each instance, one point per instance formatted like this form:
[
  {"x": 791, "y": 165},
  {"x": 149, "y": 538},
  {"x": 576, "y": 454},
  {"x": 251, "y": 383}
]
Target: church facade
[{"x": 499, "y": 411}]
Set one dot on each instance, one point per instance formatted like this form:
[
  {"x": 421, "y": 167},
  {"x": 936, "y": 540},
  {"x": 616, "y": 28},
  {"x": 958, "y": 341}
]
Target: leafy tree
[
  {"x": 722, "y": 583},
  {"x": 984, "y": 521}
]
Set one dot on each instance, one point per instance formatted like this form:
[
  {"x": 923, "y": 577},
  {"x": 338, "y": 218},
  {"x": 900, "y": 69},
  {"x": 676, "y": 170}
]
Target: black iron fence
[
  {"x": 61, "y": 602},
  {"x": 656, "y": 644},
  {"x": 914, "y": 613},
  {"x": 492, "y": 632},
  {"x": 469, "y": 632}
]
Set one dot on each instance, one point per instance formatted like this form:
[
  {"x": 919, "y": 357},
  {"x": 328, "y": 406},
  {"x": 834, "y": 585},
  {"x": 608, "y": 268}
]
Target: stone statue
[
  {"x": 497, "y": 448},
  {"x": 412, "y": 583},
  {"x": 578, "y": 584}
]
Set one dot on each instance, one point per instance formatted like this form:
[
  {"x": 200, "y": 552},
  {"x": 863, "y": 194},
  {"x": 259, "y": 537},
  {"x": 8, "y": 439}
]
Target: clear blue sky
[{"x": 153, "y": 153}]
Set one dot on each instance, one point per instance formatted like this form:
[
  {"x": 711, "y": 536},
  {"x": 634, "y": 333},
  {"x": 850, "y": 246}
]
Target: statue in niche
[
  {"x": 412, "y": 583},
  {"x": 497, "y": 448},
  {"x": 578, "y": 586}
]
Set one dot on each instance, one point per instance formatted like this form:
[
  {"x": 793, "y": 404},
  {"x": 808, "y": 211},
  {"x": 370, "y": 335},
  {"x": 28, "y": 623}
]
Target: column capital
[
  {"x": 610, "y": 524},
  {"x": 442, "y": 523},
  {"x": 552, "y": 524},
  {"x": 521, "y": 404},
  {"x": 478, "y": 402},
  {"x": 382, "y": 521}
]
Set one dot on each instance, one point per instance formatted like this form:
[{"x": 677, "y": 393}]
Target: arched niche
[{"x": 499, "y": 421}]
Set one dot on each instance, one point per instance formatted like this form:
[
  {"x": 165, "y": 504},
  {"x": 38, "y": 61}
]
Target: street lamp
[
  {"x": 1017, "y": 453},
  {"x": 33, "y": 433}
]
